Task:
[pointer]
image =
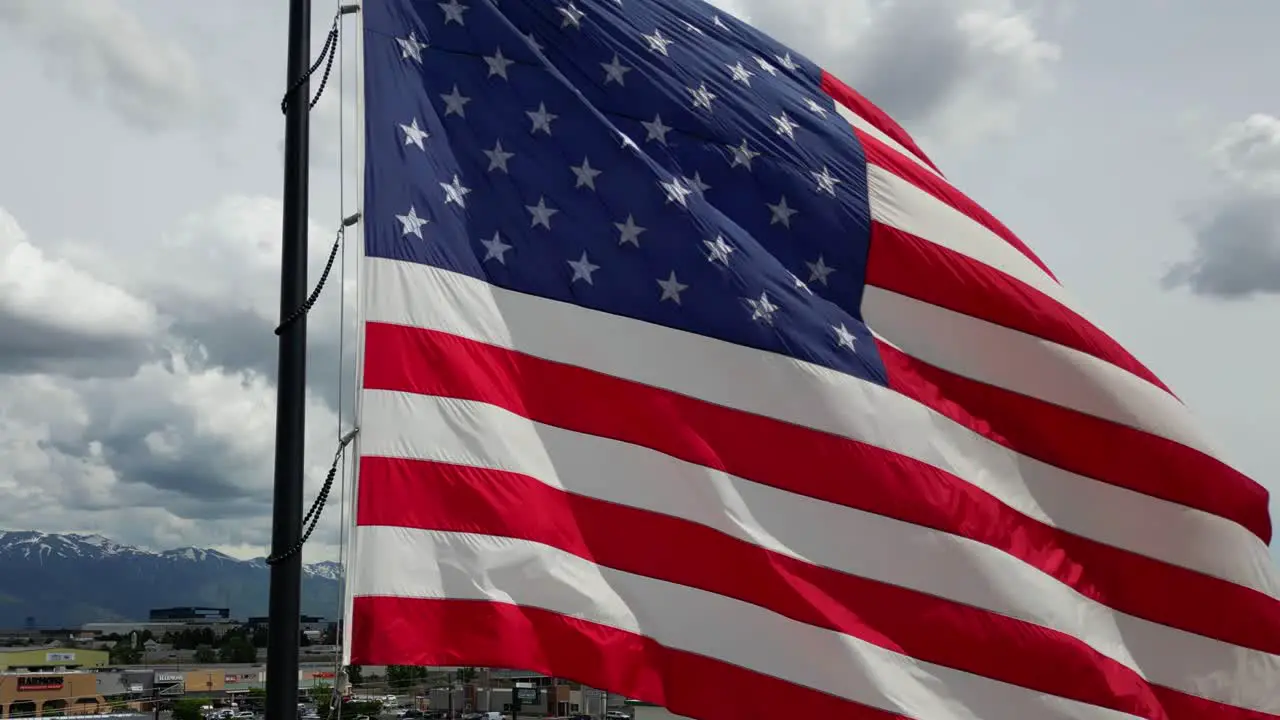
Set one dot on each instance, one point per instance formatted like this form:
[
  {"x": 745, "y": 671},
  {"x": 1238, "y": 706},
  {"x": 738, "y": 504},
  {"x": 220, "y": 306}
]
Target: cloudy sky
[{"x": 1135, "y": 146}]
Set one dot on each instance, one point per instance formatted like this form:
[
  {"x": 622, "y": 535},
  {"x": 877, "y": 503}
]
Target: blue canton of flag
[{"x": 654, "y": 160}]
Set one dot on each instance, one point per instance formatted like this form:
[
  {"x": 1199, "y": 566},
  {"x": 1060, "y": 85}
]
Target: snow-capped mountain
[
  {"x": 70, "y": 579},
  {"x": 326, "y": 569}
]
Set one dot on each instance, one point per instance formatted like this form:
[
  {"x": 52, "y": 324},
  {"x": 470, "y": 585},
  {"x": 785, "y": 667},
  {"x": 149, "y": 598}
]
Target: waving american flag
[{"x": 687, "y": 375}]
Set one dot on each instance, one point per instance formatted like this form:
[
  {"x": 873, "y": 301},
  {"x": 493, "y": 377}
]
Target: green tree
[
  {"x": 183, "y": 640},
  {"x": 187, "y": 709},
  {"x": 192, "y": 638},
  {"x": 238, "y": 650},
  {"x": 403, "y": 677},
  {"x": 122, "y": 653},
  {"x": 205, "y": 654},
  {"x": 321, "y": 693},
  {"x": 355, "y": 675},
  {"x": 466, "y": 675}
]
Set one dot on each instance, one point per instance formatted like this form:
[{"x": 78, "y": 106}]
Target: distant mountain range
[{"x": 67, "y": 580}]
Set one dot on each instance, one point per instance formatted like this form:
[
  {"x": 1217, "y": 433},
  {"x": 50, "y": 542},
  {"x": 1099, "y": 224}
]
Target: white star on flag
[
  {"x": 410, "y": 223},
  {"x": 498, "y": 64},
  {"x": 582, "y": 269},
  {"x": 495, "y": 249},
  {"x": 454, "y": 192},
  {"x": 413, "y": 135},
  {"x": 671, "y": 288},
  {"x": 629, "y": 232},
  {"x": 541, "y": 214}
]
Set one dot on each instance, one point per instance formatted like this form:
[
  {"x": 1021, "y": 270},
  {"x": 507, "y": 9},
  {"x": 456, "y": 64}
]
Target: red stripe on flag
[
  {"x": 877, "y": 153},
  {"x": 391, "y": 630},
  {"x": 852, "y": 99},
  {"x": 926, "y": 271},
  {"x": 1086, "y": 445},
  {"x": 814, "y": 464},
  {"x": 457, "y": 498}
]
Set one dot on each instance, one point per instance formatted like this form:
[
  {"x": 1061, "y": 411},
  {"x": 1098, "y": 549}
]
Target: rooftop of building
[{"x": 44, "y": 648}]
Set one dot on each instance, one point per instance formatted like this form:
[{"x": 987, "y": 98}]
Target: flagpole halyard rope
[
  {"x": 324, "y": 276},
  {"x": 327, "y": 53},
  {"x": 312, "y": 517},
  {"x": 341, "y": 677}
]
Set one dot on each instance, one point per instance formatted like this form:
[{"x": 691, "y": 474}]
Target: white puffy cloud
[
  {"x": 176, "y": 449},
  {"x": 216, "y": 279},
  {"x": 1237, "y": 230},
  {"x": 188, "y": 450},
  {"x": 951, "y": 71},
  {"x": 56, "y": 316}
]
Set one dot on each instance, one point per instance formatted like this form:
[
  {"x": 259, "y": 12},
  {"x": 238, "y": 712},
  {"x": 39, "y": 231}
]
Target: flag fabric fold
[{"x": 689, "y": 376}]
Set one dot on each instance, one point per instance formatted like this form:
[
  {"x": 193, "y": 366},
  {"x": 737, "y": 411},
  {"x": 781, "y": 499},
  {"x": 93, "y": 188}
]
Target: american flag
[{"x": 687, "y": 375}]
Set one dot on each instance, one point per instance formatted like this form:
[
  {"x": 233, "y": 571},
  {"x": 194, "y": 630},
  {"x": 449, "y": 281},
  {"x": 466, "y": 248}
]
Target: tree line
[{"x": 237, "y": 645}]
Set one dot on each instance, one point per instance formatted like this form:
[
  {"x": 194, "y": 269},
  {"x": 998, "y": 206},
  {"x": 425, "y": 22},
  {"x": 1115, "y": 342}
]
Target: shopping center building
[
  {"x": 45, "y": 694},
  {"x": 29, "y": 693},
  {"x": 42, "y": 659}
]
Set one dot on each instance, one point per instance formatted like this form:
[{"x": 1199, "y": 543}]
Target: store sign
[
  {"x": 170, "y": 677},
  {"x": 525, "y": 695},
  {"x": 59, "y": 657},
  {"x": 39, "y": 683}
]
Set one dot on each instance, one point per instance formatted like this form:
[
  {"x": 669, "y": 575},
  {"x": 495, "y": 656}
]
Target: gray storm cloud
[{"x": 1237, "y": 233}]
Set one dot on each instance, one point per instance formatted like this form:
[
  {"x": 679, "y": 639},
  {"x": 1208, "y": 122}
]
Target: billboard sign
[
  {"x": 59, "y": 657},
  {"x": 170, "y": 677},
  {"x": 39, "y": 683},
  {"x": 525, "y": 695}
]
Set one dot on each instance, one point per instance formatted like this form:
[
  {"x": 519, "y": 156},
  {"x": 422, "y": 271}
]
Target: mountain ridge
[{"x": 69, "y": 579}]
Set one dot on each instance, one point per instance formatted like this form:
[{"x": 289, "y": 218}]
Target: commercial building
[
  {"x": 311, "y": 625},
  {"x": 305, "y": 620},
  {"x": 48, "y": 694},
  {"x": 496, "y": 690},
  {"x": 645, "y": 711},
  {"x": 190, "y": 614},
  {"x": 32, "y": 636},
  {"x": 40, "y": 659},
  {"x": 158, "y": 627}
]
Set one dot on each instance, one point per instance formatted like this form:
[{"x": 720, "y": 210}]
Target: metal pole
[{"x": 286, "y": 521}]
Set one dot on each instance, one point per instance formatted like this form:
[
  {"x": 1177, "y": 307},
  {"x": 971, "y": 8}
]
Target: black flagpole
[{"x": 286, "y": 519}]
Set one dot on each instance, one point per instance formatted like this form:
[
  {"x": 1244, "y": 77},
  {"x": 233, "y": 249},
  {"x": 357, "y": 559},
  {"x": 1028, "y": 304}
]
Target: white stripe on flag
[
  {"x": 408, "y": 563},
  {"x": 774, "y": 386}
]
